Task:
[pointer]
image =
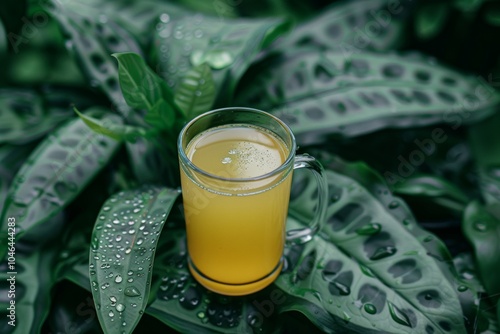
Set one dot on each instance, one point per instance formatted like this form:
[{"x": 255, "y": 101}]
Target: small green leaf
[
  {"x": 111, "y": 129},
  {"x": 55, "y": 173},
  {"x": 141, "y": 87},
  {"x": 481, "y": 226},
  {"x": 161, "y": 116},
  {"x": 122, "y": 252},
  {"x": 196, "y": 91},
  {"x": 430, "y": 19}
]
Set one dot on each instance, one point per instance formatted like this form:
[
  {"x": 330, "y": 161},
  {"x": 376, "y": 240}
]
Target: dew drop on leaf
[
  {"x": 370, "y": 308},
  {"x": 120, "y": 307},
  {"x": 398, "y": 316},
  {"x": 111, "y": 314},
  {"x": 118, "y": 279},
  {"x": 480, "y": 226},
  {"x": 132, "y": 291},
  {"x": 393, "y": 205}
]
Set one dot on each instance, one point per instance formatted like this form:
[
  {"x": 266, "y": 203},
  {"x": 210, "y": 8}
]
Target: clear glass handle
[{"x": 302, "y": 235}]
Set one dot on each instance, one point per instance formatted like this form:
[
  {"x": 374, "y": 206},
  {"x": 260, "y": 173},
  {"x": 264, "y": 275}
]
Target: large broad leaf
[
  {"x": 55, "y": 173},
  {"x": 227, "y": 46},
  {"x": 485, "y": 142},
  {"x": 481, "y": 226},
  {"x": 365, "y": 229},
  {"x": 324, "y": 93},
  {"x": 122, "y": 252},
  {"x": 352, "y": 26},
  {"x": 26, "y": 115},
  {"x": 92, "y": 38}
]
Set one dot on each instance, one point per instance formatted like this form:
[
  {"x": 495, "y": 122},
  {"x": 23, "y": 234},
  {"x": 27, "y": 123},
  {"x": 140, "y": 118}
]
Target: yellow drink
[{"x": 235, "y": 225}]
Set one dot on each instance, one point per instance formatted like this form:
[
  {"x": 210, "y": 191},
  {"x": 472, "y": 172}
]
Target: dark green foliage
[{"x": 398, "y": 100}]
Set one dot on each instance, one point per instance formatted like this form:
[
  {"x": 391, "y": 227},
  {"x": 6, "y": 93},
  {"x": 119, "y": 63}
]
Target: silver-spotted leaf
[
  {"x": 55, "y": 173},
  {"x": 324, "y": 93},
  {"x": 365, "y": 229},
  {"x": 29, "y": 287},
  {"x": 92, "y": 38},
  {"x": 352, "y": 27},
  {"x": 122, "y": 253},
  {"x": 25, "y": 115}
]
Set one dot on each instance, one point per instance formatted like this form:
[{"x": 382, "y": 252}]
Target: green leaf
[
  {"x": 492, "y": 15},
  {"x": 55, "y": 173},
  {"x": 484, "y": 140},
  {"x": 141, "y": 87},
  {"x": 111, "y": 129},
  {"x": 32, "y": 293},
  {"x": 11, "y": 159},
  {"x": 195, "y": 93},
  {"x": 161, "y": 115},
  {"x": 481, "y": 226},
  {"x": 326, "y": 93},
  {"x": 352, "y": 26},
  {"x": 368, "y": 233},
  {"x": 130, "y": 222},
  {"x": 437, "y": 189},
  {"x": 228, "y": 46},
  {"x": 28, "y": 115},
  {"x": 430, "y": 19}
]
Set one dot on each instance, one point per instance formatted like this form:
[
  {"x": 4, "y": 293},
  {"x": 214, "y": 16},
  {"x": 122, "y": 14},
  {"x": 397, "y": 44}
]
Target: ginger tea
[{"x": 235, "y": 225}]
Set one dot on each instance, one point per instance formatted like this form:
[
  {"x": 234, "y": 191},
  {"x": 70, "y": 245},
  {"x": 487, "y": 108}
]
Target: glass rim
[{"x": 281, "y": 168}]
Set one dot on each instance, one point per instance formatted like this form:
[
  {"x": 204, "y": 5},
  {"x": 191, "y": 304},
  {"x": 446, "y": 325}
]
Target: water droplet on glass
[{"x": 370, "y": 308}]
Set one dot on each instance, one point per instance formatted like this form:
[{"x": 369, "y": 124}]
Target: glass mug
[{"x": 236, "y": 171}]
